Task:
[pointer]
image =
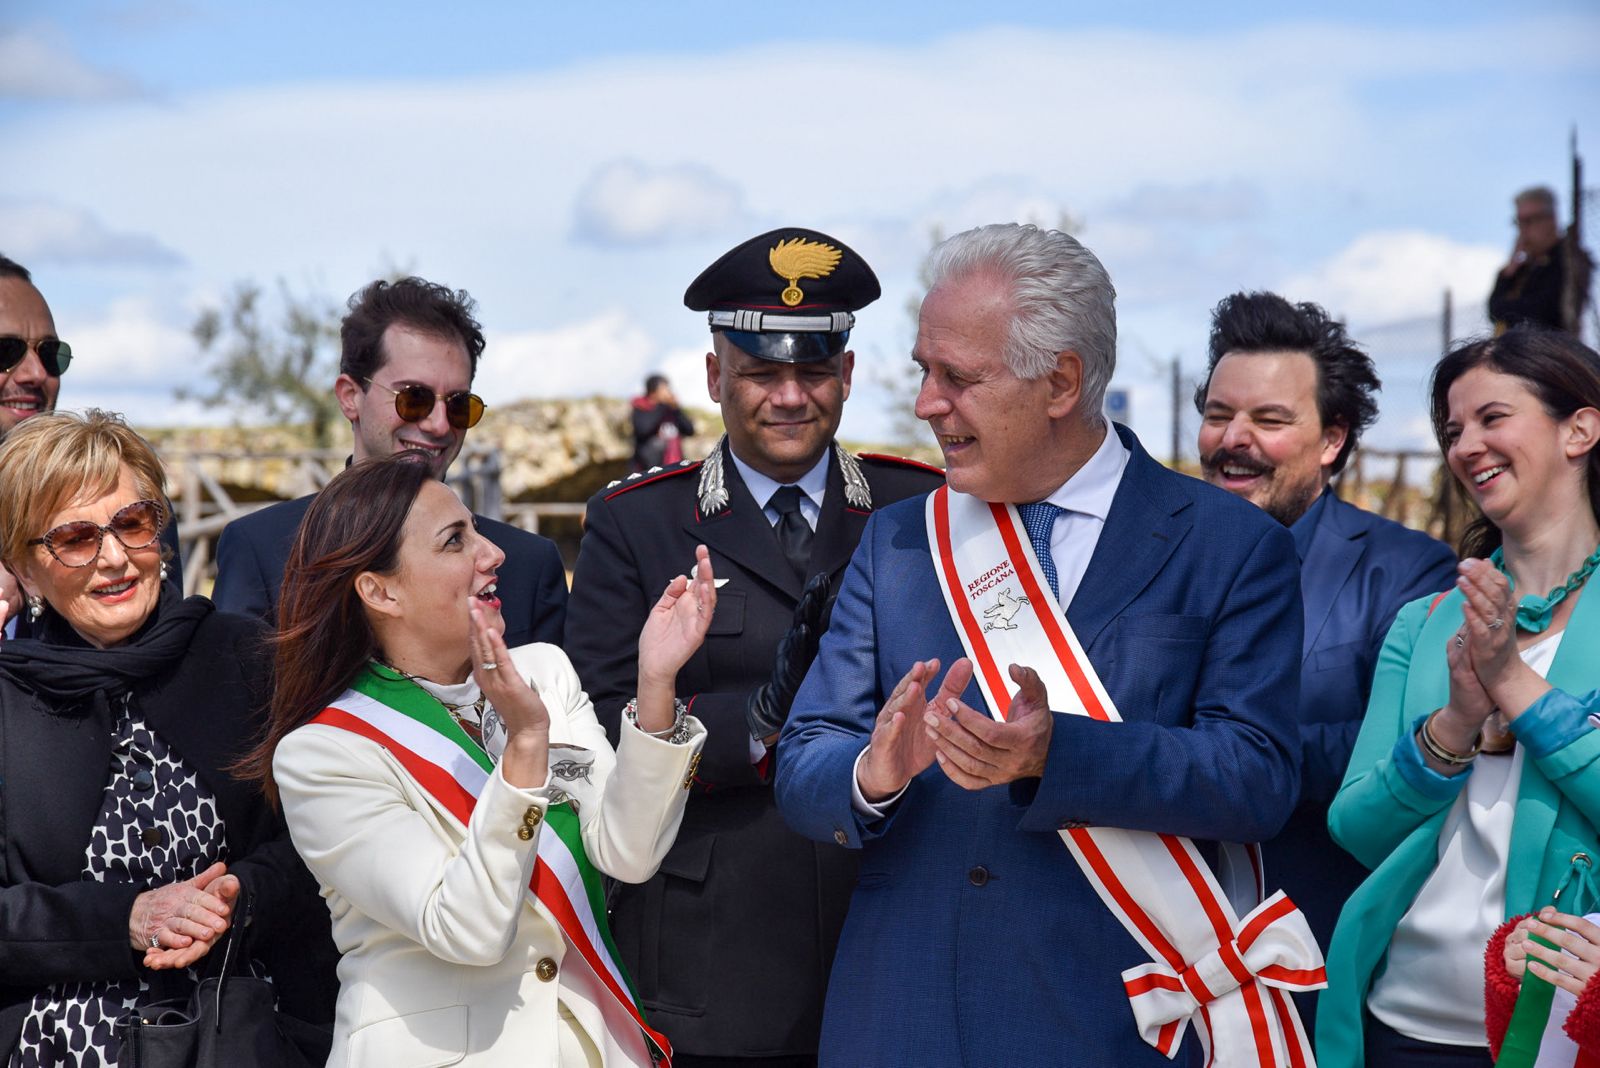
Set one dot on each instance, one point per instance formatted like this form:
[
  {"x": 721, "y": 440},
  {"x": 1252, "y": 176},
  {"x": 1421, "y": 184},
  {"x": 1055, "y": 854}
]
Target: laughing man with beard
[{"x": 1286, "y": 398}]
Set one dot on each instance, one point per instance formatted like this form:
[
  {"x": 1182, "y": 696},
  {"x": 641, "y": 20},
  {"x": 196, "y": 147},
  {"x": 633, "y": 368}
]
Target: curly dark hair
[
  {"x": 1560, "y": 370},
  {"x": 1347, "y": 382},
  {"x": 424, "y": 306}
]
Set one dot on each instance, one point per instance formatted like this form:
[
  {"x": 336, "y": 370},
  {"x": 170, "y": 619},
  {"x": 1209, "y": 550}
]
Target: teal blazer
[{"x": 1390, "y": 808}]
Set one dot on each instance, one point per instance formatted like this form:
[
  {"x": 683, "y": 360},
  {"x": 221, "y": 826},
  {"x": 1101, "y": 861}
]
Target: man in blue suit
[
  {"x": 409, "y": 351},
  {"x": 1286, "y": 398},
  {"x": 973, "y": 937}
]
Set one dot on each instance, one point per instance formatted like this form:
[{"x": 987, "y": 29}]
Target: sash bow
[{"x": 1273, "y": 946}]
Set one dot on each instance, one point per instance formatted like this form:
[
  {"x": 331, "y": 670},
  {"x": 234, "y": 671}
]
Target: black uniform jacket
[
  {"x": 253, "y": 549},
  {"x": 54, "y": 924},
  {"x": 730, "y": 944}
]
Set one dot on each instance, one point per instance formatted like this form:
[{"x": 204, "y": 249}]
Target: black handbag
[{"x": 228, "y": 1022}]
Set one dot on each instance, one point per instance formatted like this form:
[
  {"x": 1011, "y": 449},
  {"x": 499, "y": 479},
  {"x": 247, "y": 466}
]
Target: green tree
[{"x": 279, "y": 367}]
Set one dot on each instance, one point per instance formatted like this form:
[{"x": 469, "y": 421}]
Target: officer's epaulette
[
  {"x": 655, "y": 474},
  {"x": 901, "y": 461}
]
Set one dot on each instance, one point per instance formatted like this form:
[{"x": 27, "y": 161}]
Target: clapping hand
[
  {"x": 184, "y": 918},
  {"x": 1490, "y": 614},
  {"x": 899, "y": 751},
  {"x": 977, "y": 751},
  {"x": 672, "y": 632},
  {"x": 677, "y": 624}
]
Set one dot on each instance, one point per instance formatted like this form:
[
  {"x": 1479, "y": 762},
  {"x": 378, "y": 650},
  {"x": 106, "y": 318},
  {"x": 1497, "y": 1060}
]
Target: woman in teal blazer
[{"x": 1518, "y": 419}]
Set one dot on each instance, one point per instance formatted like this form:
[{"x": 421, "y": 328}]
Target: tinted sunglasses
[
  {"x": 77, "y": 544},
  {"x": 53, "y": 353},
  {"x": 462, "y": 410}
]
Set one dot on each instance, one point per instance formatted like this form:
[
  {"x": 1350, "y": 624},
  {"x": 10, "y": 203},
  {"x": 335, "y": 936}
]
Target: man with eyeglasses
[
  {"x": 1546, "y": 280},
  {"x": 32, "y": 359},
  {"x": 409, "y": 351}
]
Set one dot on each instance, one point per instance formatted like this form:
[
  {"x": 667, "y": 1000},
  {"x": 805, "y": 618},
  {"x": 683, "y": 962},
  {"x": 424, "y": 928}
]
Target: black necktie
[{"x": 794, "y": 533}]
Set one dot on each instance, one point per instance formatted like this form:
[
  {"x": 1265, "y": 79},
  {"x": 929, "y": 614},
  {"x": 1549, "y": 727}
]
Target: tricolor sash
[
  {"x": 406, "y": 720},
  {"x": 1208, "y": 967}
]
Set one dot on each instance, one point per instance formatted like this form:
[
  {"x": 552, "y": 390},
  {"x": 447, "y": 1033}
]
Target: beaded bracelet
[
  {"x": 676, "y": 733},
  {"x": 1431, "y": 746}
]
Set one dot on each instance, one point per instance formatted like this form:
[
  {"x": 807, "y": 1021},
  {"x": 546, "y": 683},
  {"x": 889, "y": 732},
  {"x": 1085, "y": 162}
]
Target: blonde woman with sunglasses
[{"x": 127, "y": 849}]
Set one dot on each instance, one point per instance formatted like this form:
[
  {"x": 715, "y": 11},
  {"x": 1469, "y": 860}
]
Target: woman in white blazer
[{"x": 429, "y": 775}]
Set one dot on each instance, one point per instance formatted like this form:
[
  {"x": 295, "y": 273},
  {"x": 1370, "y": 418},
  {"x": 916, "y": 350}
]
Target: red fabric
[
  {"x": 1583, "y": 1022},
  {"x": 1500, "y": 989}
]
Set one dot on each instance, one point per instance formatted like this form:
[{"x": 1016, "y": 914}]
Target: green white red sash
[
  {"x": 1224, "y": 974},
  {"x": 1534, "y": 1038},
  {"x": 406, "y": 720}
]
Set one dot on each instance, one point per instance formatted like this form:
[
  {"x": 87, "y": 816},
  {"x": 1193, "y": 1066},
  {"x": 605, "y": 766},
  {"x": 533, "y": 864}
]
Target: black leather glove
[{"x": 769, "y": 703}]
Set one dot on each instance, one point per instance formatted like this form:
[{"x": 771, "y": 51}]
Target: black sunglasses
[
  {"x": 53, "y": 353},
  {"x": 414, "y": 403},
  {"x": 77, "y": 544}
]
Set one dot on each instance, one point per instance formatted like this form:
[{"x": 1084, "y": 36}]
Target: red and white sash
[
  {"x": 1225, "y": 974},
  {"x": 450, "y": 768}
]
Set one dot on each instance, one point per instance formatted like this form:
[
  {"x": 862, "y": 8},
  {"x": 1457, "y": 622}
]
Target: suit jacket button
[
  {"x": 840, "y": 837},
  {"x": 978, "y": 876},
  {"x": 533, "y": 817},
  {"x": 545, "y": 969},
  {"x": 524, "y": 833}
]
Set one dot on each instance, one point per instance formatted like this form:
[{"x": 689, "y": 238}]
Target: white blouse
[{"x": 1432, "y": 986}]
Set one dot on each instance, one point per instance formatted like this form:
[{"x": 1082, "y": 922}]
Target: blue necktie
[{"x": 1039, "y": 518}]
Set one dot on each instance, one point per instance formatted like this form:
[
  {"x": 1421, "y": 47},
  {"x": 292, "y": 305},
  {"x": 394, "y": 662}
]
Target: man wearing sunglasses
[
  {"x": 31, "y": 356},
  {"x": 731, "y": 943},
  {"x": 409, "y": 351}
]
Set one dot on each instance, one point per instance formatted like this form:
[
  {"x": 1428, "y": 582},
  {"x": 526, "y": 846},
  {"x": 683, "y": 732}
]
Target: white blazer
[{"x": 441, "y": 944}]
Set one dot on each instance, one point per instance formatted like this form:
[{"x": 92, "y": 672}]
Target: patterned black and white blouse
[{"x": 158, "y": 824}]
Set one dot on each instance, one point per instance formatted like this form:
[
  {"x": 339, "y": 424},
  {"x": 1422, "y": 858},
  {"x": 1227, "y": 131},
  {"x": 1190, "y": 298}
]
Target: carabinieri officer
[{"x": 731, "y": 943}]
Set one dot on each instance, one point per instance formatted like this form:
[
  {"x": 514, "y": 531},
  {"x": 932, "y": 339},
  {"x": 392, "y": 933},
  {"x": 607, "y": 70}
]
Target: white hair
[{"x": 1061, "y": 298}]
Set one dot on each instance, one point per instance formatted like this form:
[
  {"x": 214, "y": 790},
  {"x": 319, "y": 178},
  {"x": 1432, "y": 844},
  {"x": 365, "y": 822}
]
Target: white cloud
[
  {"x": 34, "y": 67},
  {"x": 1196, "y": 203},
  {"x": 608, "y": 354},
  {"x": 133, "y": 347},
  {"x": 512, "y": 185},
  {"x": 626, "y": 202},
  {"x": 1387, "y": 276},
  {"x": 40, "y": 231}
]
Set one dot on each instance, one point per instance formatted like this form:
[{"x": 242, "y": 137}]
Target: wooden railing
[{"x": 204, "y": 503}]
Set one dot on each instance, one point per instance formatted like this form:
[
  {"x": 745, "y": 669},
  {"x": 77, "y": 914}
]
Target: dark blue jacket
[
  {"x": 972, "y": 936},
  {"x": 253, "y": 549},
  {"x": 1356, "y": 571}
]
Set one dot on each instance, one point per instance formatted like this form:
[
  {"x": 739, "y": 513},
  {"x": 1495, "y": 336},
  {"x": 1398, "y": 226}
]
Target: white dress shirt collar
[
  {"x": 1090, "y": 489},
  {"x": 814, "y": 484}
]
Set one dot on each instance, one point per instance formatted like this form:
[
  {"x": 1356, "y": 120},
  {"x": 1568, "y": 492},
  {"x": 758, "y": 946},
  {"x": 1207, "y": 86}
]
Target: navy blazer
[
  {"x": 972, "y": 937},
  {"x": 253, "y": 549},
  {"x": 1357, "y": 571}
]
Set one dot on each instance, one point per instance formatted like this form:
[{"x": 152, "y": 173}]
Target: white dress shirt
[
  {"x": 813, "y": 485},
  {"x": 1086, "y": 501}
]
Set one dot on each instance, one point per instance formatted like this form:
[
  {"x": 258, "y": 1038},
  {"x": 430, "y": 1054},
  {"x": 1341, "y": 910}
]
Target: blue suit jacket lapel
[
  {"x": 1336, "y": 549},
  {"x": 1142, "y": 529}
]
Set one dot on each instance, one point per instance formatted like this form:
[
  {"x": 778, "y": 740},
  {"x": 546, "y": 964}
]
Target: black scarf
[{"x": 63, "y": 669}]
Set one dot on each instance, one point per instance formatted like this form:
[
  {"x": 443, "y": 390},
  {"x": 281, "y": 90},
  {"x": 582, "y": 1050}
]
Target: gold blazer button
[{"x": 545, "y": 969}]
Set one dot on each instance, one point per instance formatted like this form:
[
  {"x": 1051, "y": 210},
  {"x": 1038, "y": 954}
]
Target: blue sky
[{"x": 574, "y": 167}]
